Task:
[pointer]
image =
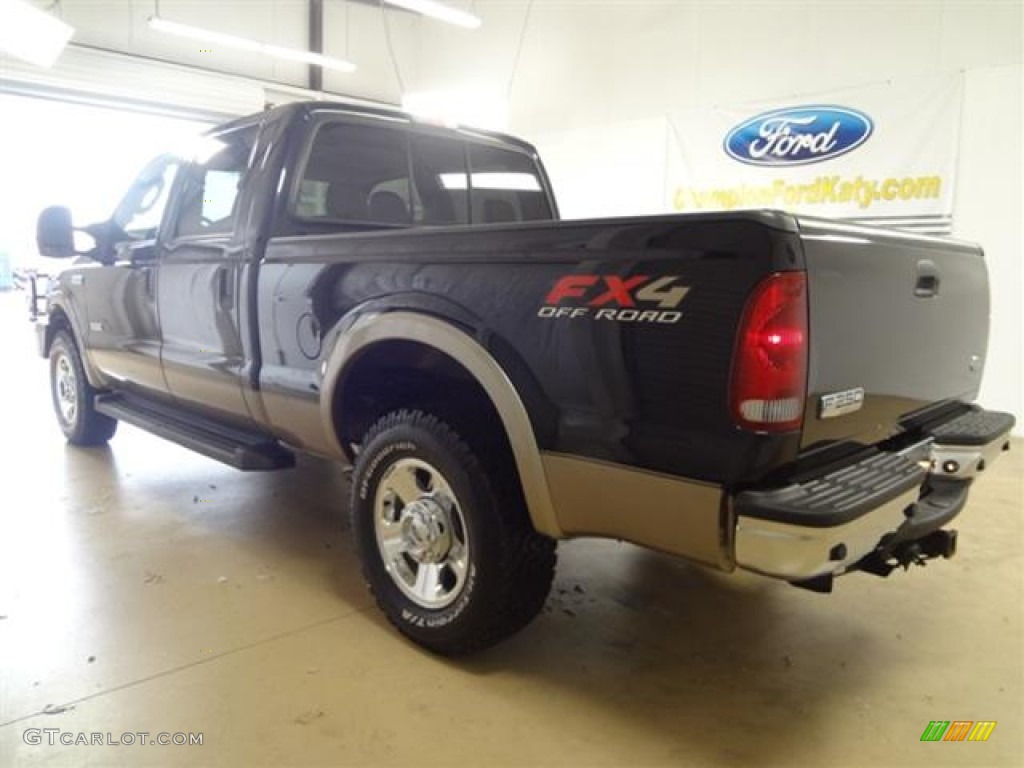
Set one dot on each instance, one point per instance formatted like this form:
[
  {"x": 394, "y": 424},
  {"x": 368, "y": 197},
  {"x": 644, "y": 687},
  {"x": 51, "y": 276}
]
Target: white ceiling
[
  {"x": 576, "y": 62},
  {"x": 353, "y": 30}
]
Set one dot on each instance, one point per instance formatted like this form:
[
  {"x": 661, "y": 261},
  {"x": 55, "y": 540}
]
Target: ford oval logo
[{"x": 798, "y": 136}]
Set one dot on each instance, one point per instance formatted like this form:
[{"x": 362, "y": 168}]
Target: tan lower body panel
[
  {"x": 671, "y": 514},
  {"x": 299, "y": 421}
]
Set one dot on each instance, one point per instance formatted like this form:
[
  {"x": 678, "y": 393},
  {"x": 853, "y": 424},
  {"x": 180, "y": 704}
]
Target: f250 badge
[
  {"x": 636, "y": 299},
  {"x": 840, "y": 403}
]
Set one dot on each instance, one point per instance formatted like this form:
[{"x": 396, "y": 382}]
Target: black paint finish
[{"x": 647, "y": 394}]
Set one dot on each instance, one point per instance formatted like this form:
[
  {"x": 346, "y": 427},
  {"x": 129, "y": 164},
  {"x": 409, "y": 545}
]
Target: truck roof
[{"x": 312, "y": 107}]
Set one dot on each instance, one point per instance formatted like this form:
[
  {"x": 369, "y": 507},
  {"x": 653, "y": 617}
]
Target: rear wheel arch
[{"x": 456, "y": 371}]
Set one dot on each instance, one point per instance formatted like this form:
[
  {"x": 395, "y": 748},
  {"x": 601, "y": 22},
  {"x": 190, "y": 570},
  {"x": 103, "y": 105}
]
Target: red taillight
[{"x": 769, "y": 374}]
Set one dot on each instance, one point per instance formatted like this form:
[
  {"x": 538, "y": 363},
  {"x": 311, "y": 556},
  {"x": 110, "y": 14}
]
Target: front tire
[
  {"x": 73, "y": 396},
  {"x": 455, "y": 565}
]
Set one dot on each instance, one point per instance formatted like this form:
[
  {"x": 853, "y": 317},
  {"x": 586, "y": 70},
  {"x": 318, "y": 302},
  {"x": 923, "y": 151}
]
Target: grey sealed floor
[{"x": 146, "y": 589}]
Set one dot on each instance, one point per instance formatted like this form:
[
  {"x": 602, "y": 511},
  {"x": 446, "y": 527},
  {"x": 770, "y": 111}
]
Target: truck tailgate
[{"x": 898, "y": 322}]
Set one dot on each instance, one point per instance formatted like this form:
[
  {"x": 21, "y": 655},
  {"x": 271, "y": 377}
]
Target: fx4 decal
[{"x": 637, "y": 299}]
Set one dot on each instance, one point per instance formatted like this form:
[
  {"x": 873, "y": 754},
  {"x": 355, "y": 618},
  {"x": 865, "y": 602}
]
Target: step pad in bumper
[
  {"x": 826, "y": 525},
  {"x": 976, "y": 427},
  {"x": 969, "y": 444},
  {"x": 837, "y": 497}
]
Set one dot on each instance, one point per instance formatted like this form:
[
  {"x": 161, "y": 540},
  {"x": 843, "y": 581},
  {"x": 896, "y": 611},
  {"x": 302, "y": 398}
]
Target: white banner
[{"x": 883, "y": 154}]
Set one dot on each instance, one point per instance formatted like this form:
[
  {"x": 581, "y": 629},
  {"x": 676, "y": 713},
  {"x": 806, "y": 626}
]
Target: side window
[
  {"x": 506, "y": 186},
  {"x": 442, "y": 182},
  {"x": 209, "y": 194},
  {"x": 142, "y": 209},
  {"x": 356, "y": 174}
]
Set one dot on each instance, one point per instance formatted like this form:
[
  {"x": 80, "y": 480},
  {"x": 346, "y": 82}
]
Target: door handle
[{"x": 928, "y": 279}]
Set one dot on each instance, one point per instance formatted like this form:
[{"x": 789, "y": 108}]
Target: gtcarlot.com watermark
[{"x": 55, "y": 736}]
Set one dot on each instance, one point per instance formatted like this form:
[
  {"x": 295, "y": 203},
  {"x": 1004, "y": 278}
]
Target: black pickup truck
[{"x": 758, "y": 390}]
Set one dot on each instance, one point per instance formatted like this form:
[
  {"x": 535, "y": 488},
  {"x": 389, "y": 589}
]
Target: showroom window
[
  {"x": 356, "y": 173},
  {"x": 505, "y": 186},
  {"x": 209, "y": 197}
]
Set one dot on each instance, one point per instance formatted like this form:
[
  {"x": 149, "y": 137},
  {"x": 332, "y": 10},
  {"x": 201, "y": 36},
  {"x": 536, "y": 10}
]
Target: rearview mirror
[{"x": 54, "y": 234}]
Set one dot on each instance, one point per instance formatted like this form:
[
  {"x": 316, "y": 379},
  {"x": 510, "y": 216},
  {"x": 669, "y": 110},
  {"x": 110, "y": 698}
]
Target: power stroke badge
[{"x": 636, "y": 299}]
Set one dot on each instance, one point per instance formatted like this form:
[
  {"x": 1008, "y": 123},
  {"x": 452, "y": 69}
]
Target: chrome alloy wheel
[
  {"x": 65, "y": 385},
  {"x": 421, "y": 533}
]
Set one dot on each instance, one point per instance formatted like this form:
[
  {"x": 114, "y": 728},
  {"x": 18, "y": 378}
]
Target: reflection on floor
[{"x": 145, "y": 589}]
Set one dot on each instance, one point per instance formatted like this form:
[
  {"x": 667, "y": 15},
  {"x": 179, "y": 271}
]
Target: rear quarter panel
[{"x": 647, "y": 394}]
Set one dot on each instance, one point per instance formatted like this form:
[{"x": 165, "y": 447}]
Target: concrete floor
[{"x": 143, "y": 588}]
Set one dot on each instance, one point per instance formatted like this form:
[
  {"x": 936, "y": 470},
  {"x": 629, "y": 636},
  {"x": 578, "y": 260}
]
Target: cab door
[
  {"x": 201, "y": 262},
  {"x": 122, "y": 334}
]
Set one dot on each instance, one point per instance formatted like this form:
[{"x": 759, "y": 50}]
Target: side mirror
[{"x": 54, "y": 234}]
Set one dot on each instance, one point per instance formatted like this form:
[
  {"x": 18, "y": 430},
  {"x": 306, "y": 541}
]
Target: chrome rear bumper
[
  {"x": 826, "y": 526},
  {"x": 797, "y": 552}
]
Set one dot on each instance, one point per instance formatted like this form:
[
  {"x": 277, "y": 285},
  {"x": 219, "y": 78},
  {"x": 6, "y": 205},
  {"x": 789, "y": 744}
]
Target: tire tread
[
  {"x": 528, "y": 558},
  {"x": 92, "y": 428}
]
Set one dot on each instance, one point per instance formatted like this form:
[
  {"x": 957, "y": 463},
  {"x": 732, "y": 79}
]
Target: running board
[{"x": 242, "y": 449}]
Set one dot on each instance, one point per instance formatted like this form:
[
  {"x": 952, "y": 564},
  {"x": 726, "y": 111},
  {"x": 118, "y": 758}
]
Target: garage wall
[
  {"x": 988, "y": 210},
  {"x": 597, "y": 78}
]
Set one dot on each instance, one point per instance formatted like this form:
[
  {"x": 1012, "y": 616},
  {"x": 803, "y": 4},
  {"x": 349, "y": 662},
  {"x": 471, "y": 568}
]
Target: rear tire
[
  {"x": 73, "y": 396},
  {"x": 453, "y": 564}
]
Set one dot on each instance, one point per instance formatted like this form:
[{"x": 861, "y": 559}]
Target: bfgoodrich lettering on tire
[
  {"x": 73, "y": 396},
  {"x": 454, "y": 564}
]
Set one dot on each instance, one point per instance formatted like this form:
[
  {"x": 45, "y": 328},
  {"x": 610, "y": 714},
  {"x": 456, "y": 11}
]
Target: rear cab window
[
  {"x": 358, "y": 175},
  {"x": 505, "y": 186},
  {"x": 439, "y": 165}
]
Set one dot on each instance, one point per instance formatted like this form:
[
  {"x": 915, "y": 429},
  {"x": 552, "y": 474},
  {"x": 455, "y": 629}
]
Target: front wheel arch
[{"x": 57, "y": 320}]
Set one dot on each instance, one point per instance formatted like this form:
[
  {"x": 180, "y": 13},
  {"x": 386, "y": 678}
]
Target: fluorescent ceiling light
[
  {"x": 439, "y": 11},
  {"x": 30, "y": 34},
  {"x": 243, "y": 44}
]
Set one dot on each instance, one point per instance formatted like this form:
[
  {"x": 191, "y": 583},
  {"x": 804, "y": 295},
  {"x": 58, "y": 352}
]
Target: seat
[
  {"x": 498, "y": 210},
  {"x": 388, "y": 207},
  {"x": 437, "y": 207},
  {"x": 345, "y": 202}
]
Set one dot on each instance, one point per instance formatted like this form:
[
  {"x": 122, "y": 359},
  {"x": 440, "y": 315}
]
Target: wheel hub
[
  {"x": 67, "y": 389},
  {"x": 426, "y": 530},
  {"x": 421, "y": 533}
]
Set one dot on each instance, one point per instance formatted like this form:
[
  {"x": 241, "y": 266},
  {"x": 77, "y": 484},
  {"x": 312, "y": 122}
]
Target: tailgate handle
[{"x": 928, "y": 279}]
